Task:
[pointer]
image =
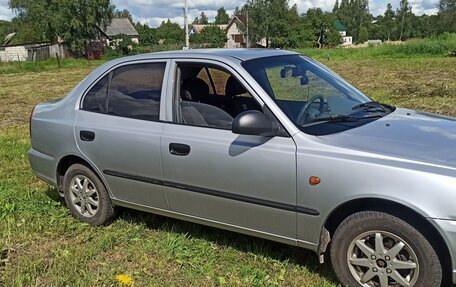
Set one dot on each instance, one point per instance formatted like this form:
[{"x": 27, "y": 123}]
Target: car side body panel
[{"x": 348, "y": 175}]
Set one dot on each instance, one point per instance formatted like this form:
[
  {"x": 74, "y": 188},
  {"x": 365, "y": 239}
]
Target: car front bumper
[{"x": 447, "y": 229}]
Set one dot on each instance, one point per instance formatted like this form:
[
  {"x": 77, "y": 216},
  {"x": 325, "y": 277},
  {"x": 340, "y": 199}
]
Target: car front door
[
  {"x": 118, "y": 129},
  {"x": 247, "y": 182}
]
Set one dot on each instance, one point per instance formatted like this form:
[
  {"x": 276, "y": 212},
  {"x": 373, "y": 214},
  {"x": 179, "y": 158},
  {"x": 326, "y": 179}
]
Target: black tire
[
  {"x": 105, "y": 210},
  {"x": 372, "y": 222}
]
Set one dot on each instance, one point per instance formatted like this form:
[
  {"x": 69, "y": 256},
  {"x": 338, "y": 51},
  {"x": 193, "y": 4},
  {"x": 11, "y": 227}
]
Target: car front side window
[{"x": 200, "y": 105}]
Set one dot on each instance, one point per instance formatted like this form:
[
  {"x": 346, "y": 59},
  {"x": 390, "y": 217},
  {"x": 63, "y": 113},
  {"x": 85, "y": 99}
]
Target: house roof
[
  {"x": 197, "y": 28},
  {"x": 238, "y": 19},
  {"x": 340, "y": 26},
  {"x": 241, "y": 18},
  {"x": 120, "y": 26}
]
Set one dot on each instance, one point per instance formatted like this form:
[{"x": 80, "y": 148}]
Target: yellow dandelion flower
[{"x": 125, "y": 279}]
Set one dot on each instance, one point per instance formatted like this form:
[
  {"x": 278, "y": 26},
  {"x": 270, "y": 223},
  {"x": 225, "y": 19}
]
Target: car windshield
[{"x": 314, "y": 98}]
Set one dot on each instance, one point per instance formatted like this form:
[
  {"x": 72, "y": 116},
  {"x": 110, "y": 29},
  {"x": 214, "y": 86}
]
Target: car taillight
[{"x": 30, "y": 122}]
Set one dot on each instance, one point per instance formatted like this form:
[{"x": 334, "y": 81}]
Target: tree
[
  {"x": 323, "y": 27},
  {"x": 222, "y": 17},
  {"x": 425, "y": 26},
  {"x": 354, "y": 14},
  {"x": 336, "y": 7},
  {"x": 74, "y": 21},
  {"x": 404, "y": 14},
  {"x": 300, "y": 34},
  {"x": 5, "y": 27},
  {"x": 123, "y": 14},
  {"x": 172, "y": 33},
  {"x": 123, "y": 44},
  {"x": 388, "y": 20},
  {"x": 214, "y": 36},
  {"x": 447, "y": 15},
  {"x": 268, "y": 19},
  {"x": 363, "y": 35},
  {"x": 33, "y": 19},
  {"x": 377, "y": 29},
  {"x": 202, "y": 19},
  {"x": 147, "y": 35}
]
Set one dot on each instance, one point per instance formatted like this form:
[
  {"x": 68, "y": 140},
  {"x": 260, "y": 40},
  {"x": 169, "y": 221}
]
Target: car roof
[{"x": 240, "y": 54}]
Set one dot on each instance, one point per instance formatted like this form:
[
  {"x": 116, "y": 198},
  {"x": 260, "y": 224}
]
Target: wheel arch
[
  {"x": 69, "y": 160},
  {"x": 409, "y": 215}
]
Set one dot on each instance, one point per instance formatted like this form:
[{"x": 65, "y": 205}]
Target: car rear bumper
[
  {"x": 447, "y": 229},
  {"x": 44, "y": 166}
]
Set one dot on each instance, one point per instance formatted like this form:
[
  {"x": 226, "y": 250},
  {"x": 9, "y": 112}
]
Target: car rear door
[
  {"x": 247, "y": 182},
  {"x": 118, "y": 129}
]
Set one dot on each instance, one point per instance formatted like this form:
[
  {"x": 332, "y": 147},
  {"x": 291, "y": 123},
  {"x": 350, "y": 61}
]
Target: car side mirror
[{"x": 253, "y": 123}]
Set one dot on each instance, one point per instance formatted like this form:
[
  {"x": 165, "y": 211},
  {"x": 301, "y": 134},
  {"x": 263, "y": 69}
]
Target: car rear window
[
  {"x": 135, "y": 91},
  {"x": 95, "y": 100}
]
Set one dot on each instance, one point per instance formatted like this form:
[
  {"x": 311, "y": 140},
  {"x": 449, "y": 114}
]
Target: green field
[{"x": 42, "y": 245}]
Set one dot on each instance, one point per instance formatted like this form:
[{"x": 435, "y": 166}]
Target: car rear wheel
[
  {"x": 86, "y": 196},
  {"x": 376, "y": 249}
]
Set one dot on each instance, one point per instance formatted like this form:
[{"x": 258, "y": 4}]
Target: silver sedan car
[{"x": 268, "y": 143}]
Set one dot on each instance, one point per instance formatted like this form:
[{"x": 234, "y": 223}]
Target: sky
[{"x": 153, "y": 12}]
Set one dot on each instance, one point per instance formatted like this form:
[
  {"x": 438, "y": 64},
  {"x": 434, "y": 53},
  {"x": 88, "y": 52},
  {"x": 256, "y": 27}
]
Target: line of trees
[
  {"x": 281, "y": 25},
  {"x": 403, "y": 24}
]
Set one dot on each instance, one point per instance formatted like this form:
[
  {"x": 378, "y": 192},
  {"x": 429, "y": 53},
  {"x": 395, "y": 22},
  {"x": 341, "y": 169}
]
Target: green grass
[
  {"x": 45, "y": 65},
  {"x": 42, "y": 245},
  {"x": 435, "y": 46}
]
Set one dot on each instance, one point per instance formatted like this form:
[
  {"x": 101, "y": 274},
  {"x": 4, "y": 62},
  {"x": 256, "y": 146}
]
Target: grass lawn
[{"x": 42, "y": 245}]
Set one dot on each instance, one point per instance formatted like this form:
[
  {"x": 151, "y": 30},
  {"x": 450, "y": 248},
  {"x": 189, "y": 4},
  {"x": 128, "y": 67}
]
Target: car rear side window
[
  {"x": 135, "y": 91},
  {"x": 95, "y": 100}
]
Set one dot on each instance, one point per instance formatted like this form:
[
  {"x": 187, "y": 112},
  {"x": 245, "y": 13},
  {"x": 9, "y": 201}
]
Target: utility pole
[
  {"x": 247, "y": 27},
  {"x": 187, "y": 45}
]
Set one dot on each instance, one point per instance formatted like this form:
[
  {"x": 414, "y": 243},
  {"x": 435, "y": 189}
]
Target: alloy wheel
[
  {"x": 382, "y": 259},
  {"x": 84, "y": 196}
]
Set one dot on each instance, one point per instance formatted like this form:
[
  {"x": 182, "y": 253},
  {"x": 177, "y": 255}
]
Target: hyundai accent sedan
[{"x": 268, "y": 143}]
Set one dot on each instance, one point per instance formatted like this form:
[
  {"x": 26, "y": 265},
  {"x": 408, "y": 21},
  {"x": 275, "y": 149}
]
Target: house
[
  {"x": 119, "y": 27},
  {"x": 236, "y": 33},
  {"x": 346, "y": 40}
]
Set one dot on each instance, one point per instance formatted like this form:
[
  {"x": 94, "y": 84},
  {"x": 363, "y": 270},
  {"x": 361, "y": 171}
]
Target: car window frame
[
  {"x": 109, "y": 71},
  {"x": 174, "y": 89}
]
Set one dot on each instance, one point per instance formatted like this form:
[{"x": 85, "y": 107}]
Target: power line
[{"x": 199, "y": 5}]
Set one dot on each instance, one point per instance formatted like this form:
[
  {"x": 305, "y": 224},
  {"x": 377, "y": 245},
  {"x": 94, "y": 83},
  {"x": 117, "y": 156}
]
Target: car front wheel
[{"x": 376, "y": 249}]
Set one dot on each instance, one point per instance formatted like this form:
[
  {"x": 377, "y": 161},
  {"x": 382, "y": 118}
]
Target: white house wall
[
  {"x": 15, "y": 53},
  {"x": 233, "y": 30}
]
